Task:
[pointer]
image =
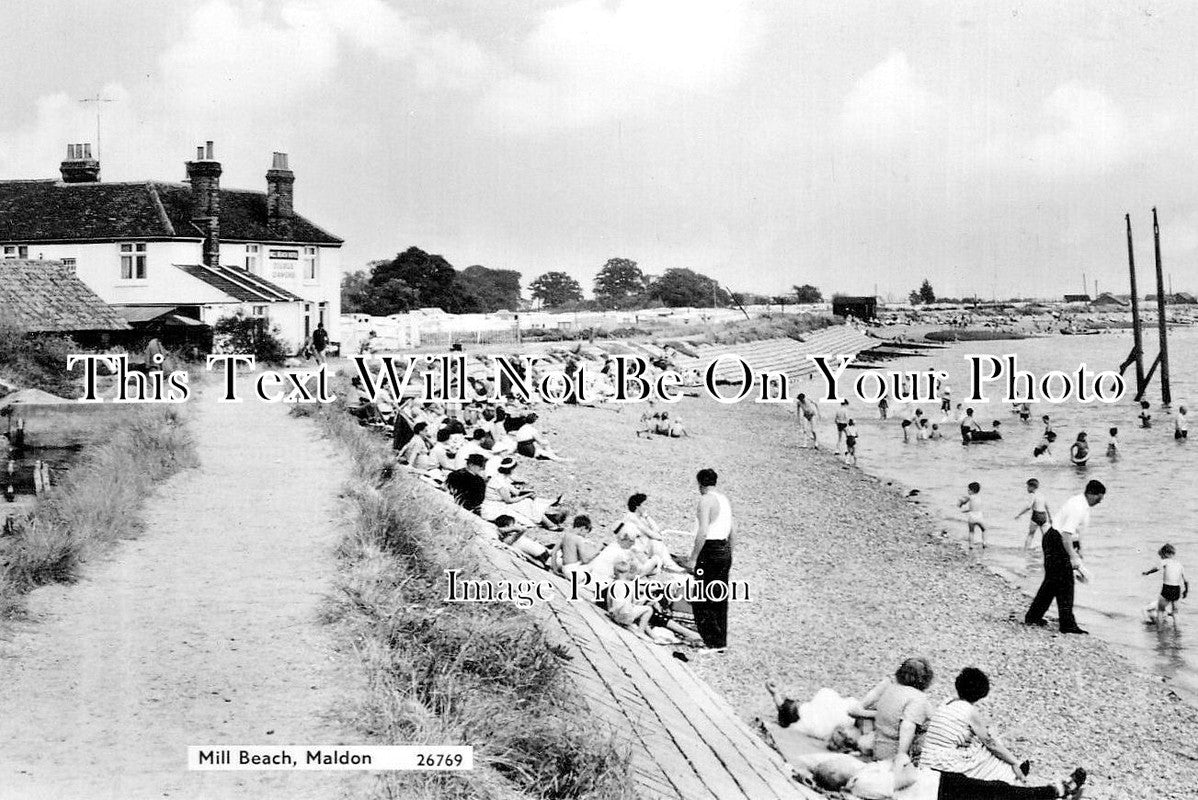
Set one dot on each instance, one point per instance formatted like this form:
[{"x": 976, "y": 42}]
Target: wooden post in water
[
  {"x": 1166, "y": 395},
  {"x": 1137, "y": 336}
]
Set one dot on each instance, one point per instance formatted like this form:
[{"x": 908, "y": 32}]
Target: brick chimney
[
  {"x": 79, "y": 166},
  {"x": 204, "y": 176},
  {"x": 280, "y": 192}
]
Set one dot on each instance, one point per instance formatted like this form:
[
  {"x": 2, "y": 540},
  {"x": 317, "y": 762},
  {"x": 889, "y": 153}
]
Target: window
[
  {"x": 251, "y": 258},
  {"x": 16, "y": 251},
  {"x": 259, "y": 311},
  {"x": 69, "y": 263},
  {"x": 309, "y": 263},
  {"x": 133, "y": 261}
]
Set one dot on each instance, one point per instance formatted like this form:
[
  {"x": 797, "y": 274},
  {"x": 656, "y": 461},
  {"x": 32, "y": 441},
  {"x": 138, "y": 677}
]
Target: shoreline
[{"x": 850, "y": 577}]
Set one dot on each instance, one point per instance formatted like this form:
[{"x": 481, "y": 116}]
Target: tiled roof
[
  {"x": 52, "y": 211},
  {"x": 239, "y": 283},
  {"x": 46, "y": 296}
]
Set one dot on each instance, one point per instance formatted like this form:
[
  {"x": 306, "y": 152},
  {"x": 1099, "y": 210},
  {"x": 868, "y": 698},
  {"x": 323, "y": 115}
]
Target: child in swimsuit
[
  {"x": 1025, "y": 412},
  {"x": 850, "y": 443},
  {"x": 1145, "y": 417},
  {"x": 935, "y": 435},
  {"x": 1112, "y": 445},
  {"x": 1079, "y": 452},
  {"x": 1041, "y": 519},
  {"x": 973, "y": 513},
  {"x": 1044, "y": 448},
  {"x": 1181, "y": 429},
  {"x": 842, "y": 421},
  {"x": 1174, "y": 586},
  {"x": 883, "y": 407}
]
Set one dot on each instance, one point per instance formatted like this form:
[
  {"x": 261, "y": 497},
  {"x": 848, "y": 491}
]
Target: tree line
[{"x": 416, "y": 279}]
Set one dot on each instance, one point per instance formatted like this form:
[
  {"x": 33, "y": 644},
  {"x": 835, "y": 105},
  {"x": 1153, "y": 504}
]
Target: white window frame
[
  {"x": 253, "y": 255},
  {"x": 133, "y": 257},
  {"x": 16, "y": 251},
  {"x": 69, "y": 263},
  {"x": 258, "y": 311},
  {"x": 311, "y": 265}
]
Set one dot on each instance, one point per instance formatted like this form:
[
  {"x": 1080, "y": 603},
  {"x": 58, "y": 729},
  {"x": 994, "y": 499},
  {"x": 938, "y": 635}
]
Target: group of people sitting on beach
[
  {"x": 473, "y": 453},
  {"x": 896, "y": 725}
]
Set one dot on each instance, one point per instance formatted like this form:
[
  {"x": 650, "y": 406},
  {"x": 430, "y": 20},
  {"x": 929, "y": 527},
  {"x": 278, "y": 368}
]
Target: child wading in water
[
  {"x": 1112, "y": 445},
  {"x": 1041, "y": 519},
  {"x": 1174, "y": 586},
  {"x": 1181, "y": 429},
  {"x": 1079, "y": 452},
  {"x": 1145, "y": 417},
  {"x": 973, "y": 513},
  {"x": 850, "y": 443},
  {"x": 1045, "y": 447}
]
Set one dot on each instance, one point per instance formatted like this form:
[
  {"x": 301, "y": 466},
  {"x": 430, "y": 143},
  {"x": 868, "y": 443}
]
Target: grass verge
[
  {"x": 769, "y": 326},
  {"x": 97, "y": 504},
  {"x": 441, "y": 673}
]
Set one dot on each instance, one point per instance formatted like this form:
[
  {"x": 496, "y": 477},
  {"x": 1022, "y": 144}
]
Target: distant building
[
  {"x": 1108, "y": 300},
  {"x": 192, "y": 249},
  {"x": 859, "y": 307},
  {"x": 1077, "y": 298},
  {"x": 47, "y": 297}
]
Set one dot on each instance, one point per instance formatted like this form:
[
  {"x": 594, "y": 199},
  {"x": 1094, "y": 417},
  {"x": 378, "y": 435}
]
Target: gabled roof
[
  {"x": 239, "y": 284},
  {"x": 53, "y": 211},
  {"x": 46, "y": 296}
]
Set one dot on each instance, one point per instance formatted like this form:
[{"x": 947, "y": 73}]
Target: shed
[{"x": 860, "y": 307}]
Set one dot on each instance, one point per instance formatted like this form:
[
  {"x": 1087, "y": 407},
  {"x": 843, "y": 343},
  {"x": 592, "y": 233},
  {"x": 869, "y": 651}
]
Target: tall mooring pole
[
  {"x": 1166, "y": 395},
  {"x": 1138, "y": 346}
]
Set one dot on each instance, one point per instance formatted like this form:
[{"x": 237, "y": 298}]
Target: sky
[{"x": 992, "y": 148}]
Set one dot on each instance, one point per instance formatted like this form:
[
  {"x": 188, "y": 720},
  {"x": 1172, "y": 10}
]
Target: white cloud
[
  {"x": 889, "y": 108},
  {"x": 1090, "y": 133},
  {"x": 589, "y": 61}
]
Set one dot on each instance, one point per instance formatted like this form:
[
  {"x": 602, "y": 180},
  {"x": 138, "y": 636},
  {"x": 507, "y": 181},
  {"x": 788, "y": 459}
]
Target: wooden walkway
[{"x": 687, "y": 743}]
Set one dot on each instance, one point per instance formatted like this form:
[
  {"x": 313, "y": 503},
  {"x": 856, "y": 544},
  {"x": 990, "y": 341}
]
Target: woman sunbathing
[
  {"x": 899, "y": 709},
  {"x": 972, "y": 762},
  {"x": 531, "y": 444},
  {"x": 504, "y": 498}
]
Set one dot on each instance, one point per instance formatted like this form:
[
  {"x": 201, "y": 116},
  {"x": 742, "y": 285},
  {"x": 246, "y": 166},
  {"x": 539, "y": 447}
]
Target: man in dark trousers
[
  {"x": 320, "y": 340},
  {"x": 1063, "y": 558},
  {"x": 467, "y": 485},
  {"x": 711, "y": 560}
]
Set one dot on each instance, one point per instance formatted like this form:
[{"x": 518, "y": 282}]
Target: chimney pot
[
  {"x": 208, "y": 150},
  {"x": 79, "y": 166}
]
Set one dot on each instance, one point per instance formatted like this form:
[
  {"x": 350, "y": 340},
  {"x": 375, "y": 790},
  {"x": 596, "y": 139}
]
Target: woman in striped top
[{"x": 972, "y": 763}]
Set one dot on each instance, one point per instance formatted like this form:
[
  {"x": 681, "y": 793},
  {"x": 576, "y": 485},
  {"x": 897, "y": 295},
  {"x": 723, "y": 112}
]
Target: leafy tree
[
  {"x": 619, "y": 280},
  {"x": 913, "y": 298},
  {"x": 253, "y": 335},
  {"x": 808, "y": 294},
  {"x": 684, "y": 287},
  {"x": 556, "y": 289},
  {"x": 490, "y": 289},
  {"x": 432, "y": 277},
  {"x": 355, "y": 292},
  {"x": 926, "y": 295}
]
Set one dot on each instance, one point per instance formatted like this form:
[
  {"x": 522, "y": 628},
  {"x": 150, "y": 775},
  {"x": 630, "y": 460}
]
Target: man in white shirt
[
  {"x": 1063, "y": 557},
  {"x": 711, "y": 560}
]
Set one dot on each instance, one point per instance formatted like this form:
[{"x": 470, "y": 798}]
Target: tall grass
[
  {"x": 97, "y": 504},
  {"x": 441, "y": 673}
]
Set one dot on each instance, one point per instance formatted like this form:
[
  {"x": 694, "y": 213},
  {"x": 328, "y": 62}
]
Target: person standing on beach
[
  {"x": 1181, "y": 425},
  {"x": 711, "y": 560},
  {"x": 1063, "y": 559},
  {"x": 320, "y": 341},
  {"x": 842, "y": 422},
  {"x": 807, "y": 412}
]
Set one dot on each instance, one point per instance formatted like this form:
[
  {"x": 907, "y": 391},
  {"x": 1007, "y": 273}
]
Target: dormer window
[
  {"x": 133, "y": 261},
  {"x": 16, "y": 251}
]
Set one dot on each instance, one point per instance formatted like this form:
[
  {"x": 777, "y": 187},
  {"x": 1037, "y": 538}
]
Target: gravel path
[
  {"x": 848, "y": 579},
  {"x": 205, "y": 630}
]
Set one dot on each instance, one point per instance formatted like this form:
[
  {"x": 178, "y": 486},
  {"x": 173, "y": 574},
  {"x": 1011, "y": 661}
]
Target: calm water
[{"x": 1149, "y": 496}]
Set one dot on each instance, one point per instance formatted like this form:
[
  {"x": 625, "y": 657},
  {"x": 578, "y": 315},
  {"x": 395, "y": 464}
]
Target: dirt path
[{"x": 203, "y": 631}]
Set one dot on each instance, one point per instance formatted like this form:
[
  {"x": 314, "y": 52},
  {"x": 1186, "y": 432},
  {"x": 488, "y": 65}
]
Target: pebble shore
[{"x": 848, "y": 578}]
